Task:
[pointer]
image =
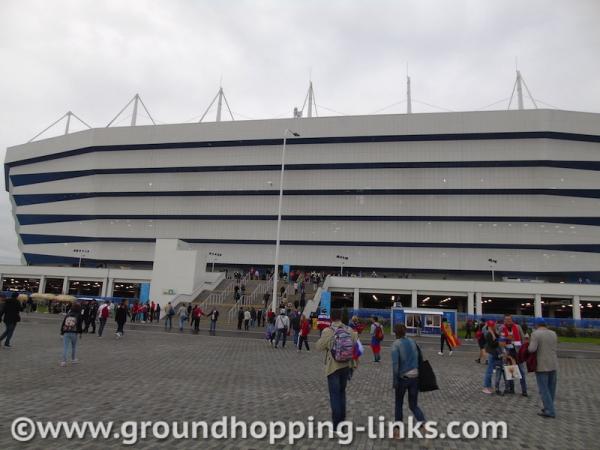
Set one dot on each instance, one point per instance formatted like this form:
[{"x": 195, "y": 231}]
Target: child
[{"x": 502, "y": 358}]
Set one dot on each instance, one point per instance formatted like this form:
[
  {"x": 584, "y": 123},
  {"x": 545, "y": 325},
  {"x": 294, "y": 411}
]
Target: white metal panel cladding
[
  {"x": 392, "y": 257},
  {"x": 564, "y": 245},
  {"x": 316, "y": 230},
  {"x": 439, "y": 178},
  {"x": 429, "y": 151},
  {"x": 343, "y": 205}
]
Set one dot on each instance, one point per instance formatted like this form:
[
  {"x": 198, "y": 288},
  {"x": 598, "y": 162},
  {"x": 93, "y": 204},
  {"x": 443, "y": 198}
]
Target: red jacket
[{"x": 304, "y": 328}]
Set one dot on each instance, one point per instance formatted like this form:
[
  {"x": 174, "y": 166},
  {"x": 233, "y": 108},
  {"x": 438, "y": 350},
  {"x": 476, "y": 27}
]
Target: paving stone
[{"x": 155, "y": 375}]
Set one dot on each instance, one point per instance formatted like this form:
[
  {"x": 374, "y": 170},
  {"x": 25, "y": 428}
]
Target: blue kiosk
[{"x": 429, "y": 319}]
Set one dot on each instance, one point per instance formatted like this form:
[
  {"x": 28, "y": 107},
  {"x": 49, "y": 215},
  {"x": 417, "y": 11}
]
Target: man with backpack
[
  {"x": 338, "y": 341},
  {"x": 282, "y": 325},
  {"x": 376, "y": 338},
  {"x": 104, "y": 312}
]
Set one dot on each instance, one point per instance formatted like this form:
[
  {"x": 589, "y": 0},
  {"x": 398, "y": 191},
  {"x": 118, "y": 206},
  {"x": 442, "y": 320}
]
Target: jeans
[
  {"x": 296, "y": 334},
  {"x": 487, "y": 380},
  {"x": 337, "y": 394},
  {"x": 8, "y": 333},
  {"x": 213, "y": 326},
  {"x": 500, "y": 376},
  {"x": 101, "y": 327},
  {"x": 196, "y": 323},
  {"x": 120, "y": 326},
  {"x": 412, "y": 386},
  {"x": 246, "y": 324},
  {"x": 69, "y": 340},
  {"x": 281, "y": 332},
  {"x": 168, "y": 322},
  {"x": 546, "y": 382},
  {"x": 523, "y": 380},
  {"x": 182, "y": 321}
]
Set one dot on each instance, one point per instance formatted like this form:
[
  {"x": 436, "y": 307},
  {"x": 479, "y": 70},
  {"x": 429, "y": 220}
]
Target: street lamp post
[
  {"x": 343, "y": 259},
  {"x": 215, "y": 256},
  {"x": 81, "y": 252},
  {"x": 492, "y": 262},
  {"x": 276, "y": 264}
]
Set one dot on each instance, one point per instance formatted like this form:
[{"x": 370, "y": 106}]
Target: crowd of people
[{"x": 510, "y": 350}]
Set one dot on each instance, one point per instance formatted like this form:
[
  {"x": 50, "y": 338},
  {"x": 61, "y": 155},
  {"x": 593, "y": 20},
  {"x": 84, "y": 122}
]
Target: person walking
[
  {"x": 214, "y": 316},
  {"x": 121, "y": 317},
  {"x": 444, "y": 338},
  {"x": 103, "y": 313},
  {"x": 295, "y": 324},
  {"x": 197, "y": 313},
  {"x": 491, "y": 348},
  {"x": 169, "y": 313},
  {"x": 337, "y": 341},
  {"x": 480, "y": 336},
  {"x": 259, "y": 318},
  {"x": 543, "y": 343},
  {"x": 304, "y": 330},
  {"x": 282, "y": 326},
  {"x": 157, "y": 317},
  {"x": 69, "y": 329},
  {"x": 183, "y": 316},
  {"x": 11, "y": 316},
  {"x": 468, "y": 330},
  {"x": 376, "y": 338},
  {"x": 405, "y": 369},
  {"x": 93, "y": 315},
  {"x": 247, "y": 319},
  {"x": 240, "y": 318}
]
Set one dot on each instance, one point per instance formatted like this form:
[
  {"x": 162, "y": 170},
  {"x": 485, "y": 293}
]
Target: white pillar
[
  {"x": 65, "y": 287},
  {"x": 414, "y": 303},
  {"x": 42, "y": 285},
  {"x": 478, "y": 304},
  {"x": 576, "y": 308},
  {"x": 104, "y": 287},
  {"x": 356, "y": 299},
  {"x": 109, "y": 287},
  {"x": 470, "y": 304},
  {"x": 537, "y": 305}
]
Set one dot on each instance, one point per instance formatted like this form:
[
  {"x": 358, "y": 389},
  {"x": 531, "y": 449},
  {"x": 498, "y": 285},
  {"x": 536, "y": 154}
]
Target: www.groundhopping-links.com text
[{"x": 25, "y": 429}]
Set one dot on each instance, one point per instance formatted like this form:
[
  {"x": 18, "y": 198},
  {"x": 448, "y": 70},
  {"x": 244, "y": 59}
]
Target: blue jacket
[{"x": 405, "y": 357}]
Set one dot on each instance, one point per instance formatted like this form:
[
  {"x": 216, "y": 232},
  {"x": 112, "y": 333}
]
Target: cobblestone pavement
[{"x": 154, "y": 375}]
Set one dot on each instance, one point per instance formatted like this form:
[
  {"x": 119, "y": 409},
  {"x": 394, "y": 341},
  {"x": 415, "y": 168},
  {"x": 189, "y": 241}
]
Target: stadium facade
[{"x": 463, "y": 192}]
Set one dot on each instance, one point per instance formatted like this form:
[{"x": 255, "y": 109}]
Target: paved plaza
[{"x": 153, "y": 375}]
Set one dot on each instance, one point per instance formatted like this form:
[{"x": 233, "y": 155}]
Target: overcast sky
[{"x": 92, "y": 56}]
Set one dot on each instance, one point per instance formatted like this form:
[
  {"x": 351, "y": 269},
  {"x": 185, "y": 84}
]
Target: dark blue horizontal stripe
[
  {"x": 32, "y": 219},
  {"x": 33, "y": 178},
  {"x": 307, "y": 140},
  {"x": 29, "y": 239},
  {"x": 32, "y": 199},
  {"x": 34, "y": 259}
]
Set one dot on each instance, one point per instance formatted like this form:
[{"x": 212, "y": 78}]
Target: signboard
[
  {"x": 144, "y": 292},
  {"x": 325, "y": 305},
  {"x": 169, "y": 291}
]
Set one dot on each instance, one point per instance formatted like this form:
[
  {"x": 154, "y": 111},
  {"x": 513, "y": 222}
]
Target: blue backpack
[{"x": 342, "y": 347}]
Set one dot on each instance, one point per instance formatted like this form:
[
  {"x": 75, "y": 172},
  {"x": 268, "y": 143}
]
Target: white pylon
[
  {"x": 68, "y": 116},
  {"x": 135, "y": 100},
  {"x": 518, "y": 86},
  {"x": 310, "y": 99},
  {"x": 408, "y": 96},
  {"x": 219, "y": 99}
]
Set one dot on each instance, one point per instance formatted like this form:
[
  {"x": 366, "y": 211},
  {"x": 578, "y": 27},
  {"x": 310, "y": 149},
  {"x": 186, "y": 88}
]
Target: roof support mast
[{"x": 408, "y": 94}]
